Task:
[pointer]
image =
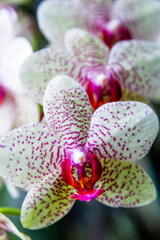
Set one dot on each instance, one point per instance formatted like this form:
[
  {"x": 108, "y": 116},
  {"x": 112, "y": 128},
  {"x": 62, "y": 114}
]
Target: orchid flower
[
  {"x": 6, "y": 224},
  {"x": 131, "y": 65},
  {"x": 16, "y": 108},
  {"x": 79, "y": 156},
  {"x": 111, "y": 21},
  {"x": 130, "y": 71}
]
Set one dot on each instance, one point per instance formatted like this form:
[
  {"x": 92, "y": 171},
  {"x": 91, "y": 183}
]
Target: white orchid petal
[
  {"x": 8, "y": 25},
  {"x": 43, "y": 65},
  {"x": 55, "y": 17},
  {"x": 135, "y": 64},
  {"x": 68, "y": 111},
  {"x": 26, "y": 110},
  {"x": 139, "y": 17},
  {"x": 122, "y": 131},
  {"x": 47, "y": 202},
  {"x": 126, "y": 185},
  {"x": 13, "y": 191},
  {"x": 11, "y": 60},
  {"x": 98, "y": 10},
  {"x": 7, "y": 115},
  {"x": 87, "y": 49},
  {"x": 29, "y": 153}
]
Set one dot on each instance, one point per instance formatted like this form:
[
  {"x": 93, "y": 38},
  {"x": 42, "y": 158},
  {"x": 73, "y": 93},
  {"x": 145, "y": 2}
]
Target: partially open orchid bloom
[
  {"x": 130, "y": 71},
  {"x": 7, "y": 225},
  {"x": 79, "y": 156},
  {"x": 111, "y": 21}
]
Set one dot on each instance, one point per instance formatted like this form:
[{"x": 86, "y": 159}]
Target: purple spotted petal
[
  {"x": 88, "y": 49},
  {"x": 140, "y": 17},
  {"x": 28, "y": 154},
  {"x": 126, "y": 185},
  {"x": 55, "y": 17},
  {"x": 6, "y": 224},
  {"x": 122, "y": 131},
  {"x": 68, "y": 111},
  {"x": 132, "y": 96},
  {"x": 135, "y": 64},
  {"x": 98, "y": 10},
  {"x": 45, "y": 64},
  {"x": 47, "y": 202}
]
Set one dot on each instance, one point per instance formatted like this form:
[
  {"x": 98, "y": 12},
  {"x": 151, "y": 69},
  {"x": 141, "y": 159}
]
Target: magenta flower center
[
  {"x": 2, "y": 94},
  {"x": 108, "y": 90},
  {"x": 84, "y": 186},
  {"x": 115, "y": 31}
]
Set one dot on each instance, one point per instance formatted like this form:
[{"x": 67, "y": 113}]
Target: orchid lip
[
  {"x": 115, "y": 31},
  {"x": 87, "y": 195},
  {"x": 112, "y": 91},
  {"x": 84, "y": 185}
]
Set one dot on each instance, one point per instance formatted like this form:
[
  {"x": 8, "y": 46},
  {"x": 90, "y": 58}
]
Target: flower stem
[{"x": 11, "y": 211}]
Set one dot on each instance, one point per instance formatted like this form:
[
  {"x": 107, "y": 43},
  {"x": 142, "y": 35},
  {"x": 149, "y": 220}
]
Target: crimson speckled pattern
[
  {"x": 35, "y": 147},
  {"x": 123, "y": 183},
  {"x": 68, "y": 98},
  {"x": 122, "y": 131},
  {"x": 31, "y": 156},
  {"x": 87, "y": 49},
  {"x": 141, "y": 17},
  {"x": 135, "y": 64},
  {"x": 52, "y": 196},
  {"x": 43, "y": 65},
  {"x": 101, "y": 9}
]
